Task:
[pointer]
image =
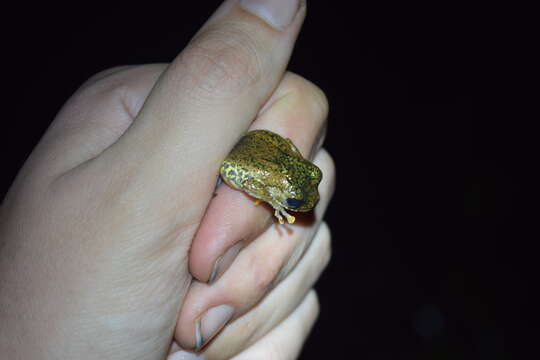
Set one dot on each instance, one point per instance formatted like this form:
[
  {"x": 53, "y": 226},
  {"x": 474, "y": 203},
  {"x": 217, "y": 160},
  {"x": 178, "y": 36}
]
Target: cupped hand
[{"x": 96, "y": 229}]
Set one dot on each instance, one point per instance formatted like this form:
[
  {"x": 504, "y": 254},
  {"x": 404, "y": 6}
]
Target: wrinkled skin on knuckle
[
  {"x": 84, "y": 110},
  {"x": 222, "y": 63},
  {"x": 124, "y": 76}
]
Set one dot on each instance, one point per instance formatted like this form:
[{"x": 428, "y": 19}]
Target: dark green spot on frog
[{"x": 271, "y": 169}]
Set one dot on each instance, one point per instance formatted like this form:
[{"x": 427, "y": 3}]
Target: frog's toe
[
  {"x": 289, "y": 217},
  {"x": 279, "y": 217}
]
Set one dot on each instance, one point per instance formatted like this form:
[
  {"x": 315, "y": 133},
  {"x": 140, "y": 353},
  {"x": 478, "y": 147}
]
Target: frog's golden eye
[{"x": 294, "y": 203}]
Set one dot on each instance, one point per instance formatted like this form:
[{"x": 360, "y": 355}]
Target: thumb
[{"x": 200, "y": 107}]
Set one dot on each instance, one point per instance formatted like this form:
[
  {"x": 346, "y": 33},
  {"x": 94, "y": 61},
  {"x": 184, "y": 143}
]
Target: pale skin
[{"x": 110, "y": 233}]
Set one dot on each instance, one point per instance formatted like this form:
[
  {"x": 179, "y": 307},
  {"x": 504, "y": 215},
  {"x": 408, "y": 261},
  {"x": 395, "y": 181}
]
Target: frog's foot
[{"x": 281, "y": 211}]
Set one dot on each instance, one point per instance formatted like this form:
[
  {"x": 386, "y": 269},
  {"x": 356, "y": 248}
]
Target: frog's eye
[
  {"x": 294, "y": 203},
  {"x": 316, "y": 175}
]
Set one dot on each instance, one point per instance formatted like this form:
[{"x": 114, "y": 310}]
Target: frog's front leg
[
  {"x": 232, "y": 175},
  {"x": 262, "y": 193},
  {"x": 278, "y": 212}
]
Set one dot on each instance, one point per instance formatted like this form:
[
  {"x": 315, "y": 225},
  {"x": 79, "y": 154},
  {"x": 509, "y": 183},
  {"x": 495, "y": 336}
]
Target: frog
[{"x": 271, "y": 169}]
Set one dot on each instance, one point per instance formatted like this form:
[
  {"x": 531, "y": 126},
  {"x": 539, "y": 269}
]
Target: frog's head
[{"x": 300, "y": 189}]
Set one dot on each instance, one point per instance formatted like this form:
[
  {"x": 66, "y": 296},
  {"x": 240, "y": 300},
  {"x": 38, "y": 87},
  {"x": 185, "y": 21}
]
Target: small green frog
[{"x": 270, "y": 168}]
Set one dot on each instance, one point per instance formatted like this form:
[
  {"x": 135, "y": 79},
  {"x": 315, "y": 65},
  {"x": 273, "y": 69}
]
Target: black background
[{"x": 428, "y": 218}]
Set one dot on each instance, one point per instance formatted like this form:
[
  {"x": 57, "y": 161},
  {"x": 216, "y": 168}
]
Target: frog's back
[
  {"x": 252, "y": 156},
  {"x": 267, "y": 141}
]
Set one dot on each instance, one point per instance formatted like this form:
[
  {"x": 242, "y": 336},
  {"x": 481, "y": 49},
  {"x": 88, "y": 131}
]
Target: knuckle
[
  {"x": 310, "y": 94},
  {"x": 311, "y": 301},
  {"x": 324, "y": 160},
  {"x": 330, "y": 165},
  {"x": 263, "y": 272},
  {"x": 316, "y": 304},
  {"x": 103, "y": 86},
  {"x": 222, "y": 62},
  {"x": 126, "y": 86},
  {"x": 107, "y": 72},
  {"x": 113, "y": 94},
  {"x": 130, "y": 76},
  {"x": 319, "y": 101},
  {"x": 326, "y": 244}
]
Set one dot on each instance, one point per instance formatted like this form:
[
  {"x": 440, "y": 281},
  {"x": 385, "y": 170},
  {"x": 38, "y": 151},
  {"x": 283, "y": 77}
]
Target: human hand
[
  {"x": 97, "y": 226},
  {"x": 277, "y": 265}
]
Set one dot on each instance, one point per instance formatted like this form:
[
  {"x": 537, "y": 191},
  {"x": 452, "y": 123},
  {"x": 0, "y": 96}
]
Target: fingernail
[
  {"x": 277, "y": 13},
  {"x": 224, "y": 261},
  {"x": 209, "y": 324}
]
